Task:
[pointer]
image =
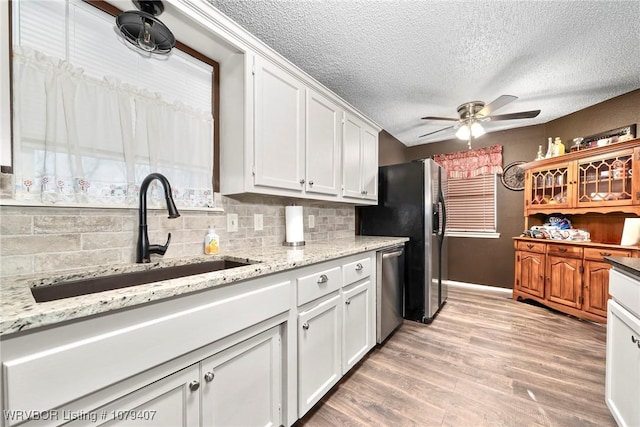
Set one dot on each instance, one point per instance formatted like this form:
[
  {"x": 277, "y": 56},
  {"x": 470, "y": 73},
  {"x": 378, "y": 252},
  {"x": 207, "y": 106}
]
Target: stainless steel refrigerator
[{"x": 412, "y": 203}]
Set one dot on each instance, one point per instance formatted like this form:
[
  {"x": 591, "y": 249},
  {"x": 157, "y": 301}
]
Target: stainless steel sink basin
[{"x": 74, "y": 288}]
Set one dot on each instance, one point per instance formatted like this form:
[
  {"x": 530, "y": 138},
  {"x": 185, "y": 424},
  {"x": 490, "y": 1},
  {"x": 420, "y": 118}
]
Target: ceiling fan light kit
[
  {"x": 472, "y": 113},
  {"x": 142, "y": 29}
]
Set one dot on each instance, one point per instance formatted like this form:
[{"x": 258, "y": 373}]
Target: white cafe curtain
[{"x": 81, "y": 140}]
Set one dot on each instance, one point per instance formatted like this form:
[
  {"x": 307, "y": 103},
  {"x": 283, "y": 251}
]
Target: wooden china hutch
[{"x": 596, "y": 189}]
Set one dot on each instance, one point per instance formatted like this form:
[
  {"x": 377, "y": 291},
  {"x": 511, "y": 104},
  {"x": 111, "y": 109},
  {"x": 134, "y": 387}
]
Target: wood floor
[{"x": 485, "y": 360}]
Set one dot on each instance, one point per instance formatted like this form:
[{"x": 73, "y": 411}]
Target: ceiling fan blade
[
  {"x": 497, "y": 103},
  {"x": 521, "y": 115},
  {"x": 448, "y": 119},
  {"x": 439, "y": 130}
]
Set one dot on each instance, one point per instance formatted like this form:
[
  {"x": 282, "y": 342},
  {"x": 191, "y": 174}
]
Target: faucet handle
[{"x": 160, "y": 249}]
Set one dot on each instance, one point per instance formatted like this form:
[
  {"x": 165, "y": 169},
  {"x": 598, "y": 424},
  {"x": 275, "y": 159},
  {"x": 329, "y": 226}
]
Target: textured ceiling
[{"x": 397, "y": 61}]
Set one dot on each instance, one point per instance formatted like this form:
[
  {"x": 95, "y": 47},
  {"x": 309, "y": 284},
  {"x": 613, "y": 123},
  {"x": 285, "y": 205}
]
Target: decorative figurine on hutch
[{"x": 558, "y": 147}]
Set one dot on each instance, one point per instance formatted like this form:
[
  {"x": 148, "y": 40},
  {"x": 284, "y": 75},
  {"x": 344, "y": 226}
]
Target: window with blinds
[
  {"x": 85, "y": 36},
  {"x": 472, "y": 204}
]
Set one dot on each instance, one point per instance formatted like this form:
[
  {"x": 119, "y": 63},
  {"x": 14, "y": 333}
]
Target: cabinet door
[
  {"x": 530, "y": 273},
  {"x": 564, "y": 284},
  {"x": 605, "y": 180},
  {"x": 319, "y": 352},
  {"x": 369, "y": 167},
  {"x": 356, "y": 325},
  {"x": 549, "y": 188},
  {"x": 596, "y": 287},
  {"x": 351, "y": 148},
  {"x": 242, "y": 386},
  {"x": 323, "y": 144},
  {"x": 279, "y": 128},
  {"x": 172, "y": 401},
  {"x": 622, "y": 386}
]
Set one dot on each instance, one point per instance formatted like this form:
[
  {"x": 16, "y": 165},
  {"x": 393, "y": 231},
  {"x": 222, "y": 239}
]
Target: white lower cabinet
[
  {"x": 171, "y": 401},
  {"x": 356, "y": 324},
  {"x": 239, "y": 386},
  {"x": 622, "y": 389},
  {"x": 336, "y": 325},
  {"x": 243, "y": 385},
  {"x": 319, "y": 352}
]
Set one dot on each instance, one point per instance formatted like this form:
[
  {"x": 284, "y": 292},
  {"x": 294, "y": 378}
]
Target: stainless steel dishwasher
[{"x": 389, "y": 291}]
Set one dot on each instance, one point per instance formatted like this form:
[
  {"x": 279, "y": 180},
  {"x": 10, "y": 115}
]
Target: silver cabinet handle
[
  {"x": 635, "y": 340},
  {"x": 302, "y": 181},
  {"x": 323, "y": 279},
  {"x": 347, "y": 302},
  {"x": 305, "y": 326},
  {"x": 194, "y": 385},
  {"x": 209, "y": 376},
  {"x": 359, "y": 267}
]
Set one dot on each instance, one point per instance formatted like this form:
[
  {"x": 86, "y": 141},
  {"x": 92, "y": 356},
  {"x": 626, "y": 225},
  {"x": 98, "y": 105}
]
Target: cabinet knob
[
  {"x": 310, "y": 182},
  {"x": 305, "y": 326},
  {"x": 209, "y": 376},
  {"x": 348, "y": 302},
  {"x": 323, "y": 279},
  {"x": 605, "y": 253},
  {"x": 562, "y": 250},
  {"x": 302, "y": 181},
  {"x": 359, "y": 267},
  {"x": 529, "y": 245},
  {"x": 194, "y": 385}
]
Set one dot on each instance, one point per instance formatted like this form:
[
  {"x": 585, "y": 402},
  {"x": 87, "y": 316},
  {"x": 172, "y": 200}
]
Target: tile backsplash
[{"x": 50, "y": 239}]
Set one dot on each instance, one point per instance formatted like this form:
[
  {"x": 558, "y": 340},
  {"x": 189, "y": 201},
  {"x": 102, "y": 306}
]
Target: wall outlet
[
  {"x": 257, "y": 222},
  {"x": 312, "y": 221},
  {"x": 232, "y": 223}
]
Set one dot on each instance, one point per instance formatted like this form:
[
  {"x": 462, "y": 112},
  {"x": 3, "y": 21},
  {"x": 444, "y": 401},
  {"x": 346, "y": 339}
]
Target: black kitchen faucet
[{"x": 144, "y": 249}]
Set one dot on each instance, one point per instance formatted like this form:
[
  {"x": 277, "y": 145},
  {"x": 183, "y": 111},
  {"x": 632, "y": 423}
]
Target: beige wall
[{"x": 47, "y": 240}]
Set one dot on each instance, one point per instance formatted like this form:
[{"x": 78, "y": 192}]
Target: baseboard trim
[{"x": 483, "y": 288}]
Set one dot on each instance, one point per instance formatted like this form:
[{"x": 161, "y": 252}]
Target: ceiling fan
[{"x": 474, "y": 112}]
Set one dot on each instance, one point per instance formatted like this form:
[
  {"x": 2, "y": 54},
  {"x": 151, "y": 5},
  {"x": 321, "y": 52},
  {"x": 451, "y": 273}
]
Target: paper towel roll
[
  {"x": 294, "y": 224},
  {"x": 630, "y": 232}
]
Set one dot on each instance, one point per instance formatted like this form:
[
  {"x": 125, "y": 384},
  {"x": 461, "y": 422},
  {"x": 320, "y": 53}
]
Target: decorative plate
[{"x": 513, "y": 176}]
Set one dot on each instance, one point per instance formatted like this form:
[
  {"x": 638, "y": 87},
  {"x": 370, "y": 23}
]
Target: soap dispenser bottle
[{"x": 211, "y": 242}]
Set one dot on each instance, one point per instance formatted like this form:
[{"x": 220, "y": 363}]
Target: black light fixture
[{"x": 142, "y": 29}]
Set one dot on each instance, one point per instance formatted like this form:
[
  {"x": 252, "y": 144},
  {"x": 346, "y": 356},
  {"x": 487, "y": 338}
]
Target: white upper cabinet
[
  {"x": 324, "y": 142},
  {"x": 360, "y": 165},
  {"x": 279, "y": 128},
  {"x": 282, "y": 133}
]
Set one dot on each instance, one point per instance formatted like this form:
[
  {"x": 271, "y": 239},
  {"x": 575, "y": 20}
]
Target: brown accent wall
[
  {"x": 490, "y": 261},
  {"x": 390, "y": 150}
]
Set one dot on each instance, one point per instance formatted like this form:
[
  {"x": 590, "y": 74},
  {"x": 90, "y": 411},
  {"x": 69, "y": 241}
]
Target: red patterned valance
[{"x": 470, "y": 163}]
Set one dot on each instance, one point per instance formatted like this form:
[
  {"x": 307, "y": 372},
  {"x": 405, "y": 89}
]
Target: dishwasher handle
[{"x": 395, "y": 254}]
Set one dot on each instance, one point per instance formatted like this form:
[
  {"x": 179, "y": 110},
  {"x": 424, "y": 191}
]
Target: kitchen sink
[{"x": 92, "y": 285}]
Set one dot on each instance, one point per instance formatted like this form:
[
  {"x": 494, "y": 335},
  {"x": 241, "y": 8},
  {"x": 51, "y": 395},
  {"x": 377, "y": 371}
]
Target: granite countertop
[
  {"x": 20, "y": 312},
  {"x": 630, "y": 266}
]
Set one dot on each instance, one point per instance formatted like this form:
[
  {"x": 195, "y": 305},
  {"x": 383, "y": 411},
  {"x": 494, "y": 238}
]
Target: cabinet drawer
[
  {"x": 531, "y": 247},
  {"x": 356, "y": 270},
  {"x": 318, "y": 284},
  {"x": 625, "y": 290},
  {"x": 598, "y": 254},
  {"x": 565, "y": 250}
]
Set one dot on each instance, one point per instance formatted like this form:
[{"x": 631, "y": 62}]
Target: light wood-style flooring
[{"x": 485, "y": 360}]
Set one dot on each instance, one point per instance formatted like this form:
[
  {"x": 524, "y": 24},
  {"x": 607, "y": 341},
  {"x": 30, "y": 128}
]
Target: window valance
[{"x": 470, "y": 163}]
